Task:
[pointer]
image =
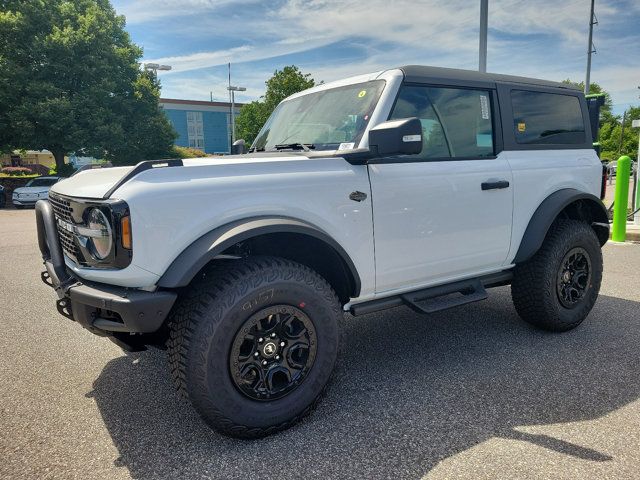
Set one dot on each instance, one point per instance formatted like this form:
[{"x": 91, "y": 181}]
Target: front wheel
[
  {"x": 556, "y": 289},
  {"x": 254, "y": 343}
]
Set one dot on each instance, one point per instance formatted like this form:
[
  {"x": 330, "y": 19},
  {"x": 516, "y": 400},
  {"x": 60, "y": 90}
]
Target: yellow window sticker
[
  {"x": 522, "y": 126},
  {"x": 362, "y": 93}
]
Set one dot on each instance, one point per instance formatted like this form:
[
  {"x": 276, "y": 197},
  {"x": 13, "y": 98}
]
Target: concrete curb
[{"x": 633, "y": 233}]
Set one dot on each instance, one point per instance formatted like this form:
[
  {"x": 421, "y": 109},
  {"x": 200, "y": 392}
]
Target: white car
[
  {"x": 414, "y": 186},
  {"x": 35, "y": 189}
]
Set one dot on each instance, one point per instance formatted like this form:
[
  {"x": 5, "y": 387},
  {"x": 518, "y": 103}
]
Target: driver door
[{"x": 444, "y": 214}]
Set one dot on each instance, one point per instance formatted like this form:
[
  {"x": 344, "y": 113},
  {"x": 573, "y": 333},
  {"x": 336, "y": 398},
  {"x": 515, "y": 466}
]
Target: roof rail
[{"x": 141, "y": 167}]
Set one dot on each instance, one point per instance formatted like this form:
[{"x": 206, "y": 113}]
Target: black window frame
[
  {"x": 496, "y": 123},
  {"x": 509, "y": 136}
]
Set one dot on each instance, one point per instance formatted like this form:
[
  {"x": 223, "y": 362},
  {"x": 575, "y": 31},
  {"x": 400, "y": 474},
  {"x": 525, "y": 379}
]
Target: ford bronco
[{"x": 414, "y": 186}]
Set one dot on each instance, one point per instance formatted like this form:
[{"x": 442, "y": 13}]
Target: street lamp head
[
  {"x": 154, "y": 67},
  {"x": 236, "y": 89}
]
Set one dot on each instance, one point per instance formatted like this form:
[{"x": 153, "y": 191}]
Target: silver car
[{"x": 36, "y": 189}]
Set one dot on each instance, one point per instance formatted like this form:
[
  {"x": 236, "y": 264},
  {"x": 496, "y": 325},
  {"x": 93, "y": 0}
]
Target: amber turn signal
[{"x": 125, "y": 223}]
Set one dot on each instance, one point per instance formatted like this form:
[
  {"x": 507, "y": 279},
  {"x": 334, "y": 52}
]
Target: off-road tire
[
  {"x": 534, "y": 290},
  {"x": 206, "y": 321}
]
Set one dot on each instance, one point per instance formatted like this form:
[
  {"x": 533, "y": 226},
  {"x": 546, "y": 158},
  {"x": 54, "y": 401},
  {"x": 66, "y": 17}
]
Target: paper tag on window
[
  {"x": 484, "y": 107},
  {"x": 346, "y": 146}
]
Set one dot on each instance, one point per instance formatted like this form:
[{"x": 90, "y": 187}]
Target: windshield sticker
[
  {"x": 346, "y": 146},
  {"x": 522, "y": 126},
  {"x": 362, "y": 93},
  {"x": 484, "y": 107}
]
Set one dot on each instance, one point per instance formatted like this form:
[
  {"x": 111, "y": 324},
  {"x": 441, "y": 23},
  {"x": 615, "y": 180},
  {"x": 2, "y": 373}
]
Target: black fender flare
[
  {"x": 186, "y": 265},
  {"x": 549, "y": 210}
]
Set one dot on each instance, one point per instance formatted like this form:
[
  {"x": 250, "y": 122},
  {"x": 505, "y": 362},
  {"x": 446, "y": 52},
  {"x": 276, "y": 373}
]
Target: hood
[
  {"x": 96, "y": 184},
  {"x": 91, "y": 183},
  {"x": 31, "y": 190}
]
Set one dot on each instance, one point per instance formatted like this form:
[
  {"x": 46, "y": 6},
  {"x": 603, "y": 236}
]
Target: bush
[
  {"x": 186, "y": 152},
  {"x": 16, "y": 171}
]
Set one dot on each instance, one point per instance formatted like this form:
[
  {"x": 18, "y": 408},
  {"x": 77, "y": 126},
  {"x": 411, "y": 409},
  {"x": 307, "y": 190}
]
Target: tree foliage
[
  {"x": 614, "y": 141},
  {"x": 282, "y": 84},
  {"x": 70, "y": 81}
]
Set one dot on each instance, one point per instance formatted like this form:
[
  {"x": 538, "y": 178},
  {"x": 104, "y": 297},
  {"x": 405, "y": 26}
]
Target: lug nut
[
  {"x": 282, "y": 344},
  {"x": 260, "y": 340},
  {"x": 277, "y": 357},
  {"x": 264, "y": 362},
  {"x": 256, "y": 354},
  {"x": 273, "y": 335}
]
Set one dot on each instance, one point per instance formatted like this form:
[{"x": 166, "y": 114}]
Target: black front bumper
[{"x": 102, "y": 309}]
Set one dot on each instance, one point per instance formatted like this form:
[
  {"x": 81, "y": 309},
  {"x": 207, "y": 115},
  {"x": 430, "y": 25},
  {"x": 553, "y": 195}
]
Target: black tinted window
[
  {"x": 455, "y": 122},
  {"x": 41, "y": 182},
  {"x": 547, "y": 118}
]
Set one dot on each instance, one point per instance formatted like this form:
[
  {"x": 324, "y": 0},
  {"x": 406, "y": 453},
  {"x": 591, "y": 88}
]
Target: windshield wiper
[
  {"x": 295, "y": 146},
  {"x": 256, "y": 149}
]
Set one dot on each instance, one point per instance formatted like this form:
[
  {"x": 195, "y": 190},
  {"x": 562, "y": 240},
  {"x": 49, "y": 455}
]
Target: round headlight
[{"x": 101, "y": 244}]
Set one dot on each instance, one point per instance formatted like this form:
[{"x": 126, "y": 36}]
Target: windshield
[
  {"x": 327, "y": 120},
  {"x": 41, "y": 182}
]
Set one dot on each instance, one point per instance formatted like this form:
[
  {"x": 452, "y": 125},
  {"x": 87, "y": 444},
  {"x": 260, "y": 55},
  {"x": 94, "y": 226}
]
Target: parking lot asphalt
[{"x": 472, "y": 392}]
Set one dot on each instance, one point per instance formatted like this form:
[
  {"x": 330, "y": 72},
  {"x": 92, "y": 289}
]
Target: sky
[{"x": 333, "y": 39}]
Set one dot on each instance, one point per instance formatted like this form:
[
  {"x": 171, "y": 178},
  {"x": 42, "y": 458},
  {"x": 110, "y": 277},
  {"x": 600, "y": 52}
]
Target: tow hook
[{"x": 64, "y": 308}]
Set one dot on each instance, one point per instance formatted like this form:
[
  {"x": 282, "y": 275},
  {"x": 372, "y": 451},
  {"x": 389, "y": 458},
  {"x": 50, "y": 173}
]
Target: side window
[
  {"x": 455, "y": 122},
  {"x": 414, "y": 102},
  {"x": 547, "y": 118}
]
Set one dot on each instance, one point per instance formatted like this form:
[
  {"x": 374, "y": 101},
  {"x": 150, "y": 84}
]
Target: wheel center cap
[{"x": 269, "y": 349}]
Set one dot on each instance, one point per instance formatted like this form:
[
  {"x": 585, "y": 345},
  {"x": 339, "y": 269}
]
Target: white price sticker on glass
[{"x": 484, "y": 107}]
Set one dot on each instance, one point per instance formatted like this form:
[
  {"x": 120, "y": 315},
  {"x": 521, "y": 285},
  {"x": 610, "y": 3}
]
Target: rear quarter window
[{"x": 547, "y": 118}]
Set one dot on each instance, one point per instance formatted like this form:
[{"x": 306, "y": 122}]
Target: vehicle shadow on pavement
[{"x": 412, "y": 391}]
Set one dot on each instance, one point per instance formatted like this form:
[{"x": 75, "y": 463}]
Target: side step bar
[
  {"x": 435, "y": 299},
  {"x": 441, "y": 297}
]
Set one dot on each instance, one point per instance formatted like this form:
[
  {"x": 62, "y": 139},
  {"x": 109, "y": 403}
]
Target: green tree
[
  {"x": 617, "y": 141},
  {"x": 282, "y": 84},
  {"x": 614, "y": 141},
  {"x": 70, "y": 81}
]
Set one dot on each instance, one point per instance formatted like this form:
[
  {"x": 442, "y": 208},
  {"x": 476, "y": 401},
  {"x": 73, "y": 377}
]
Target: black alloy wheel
[
  {"x": 253, "y": 344},
  {"x": 556, "y": 288},
  {"x": 573, "y": 277},
  {"x": 273, "y": 352}
]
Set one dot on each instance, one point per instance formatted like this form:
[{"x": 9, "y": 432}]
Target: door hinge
[{"x": 358, "y": 196}]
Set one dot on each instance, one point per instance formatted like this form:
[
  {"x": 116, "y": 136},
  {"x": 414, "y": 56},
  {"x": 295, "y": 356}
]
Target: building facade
[{"x": 199, "y": 124}]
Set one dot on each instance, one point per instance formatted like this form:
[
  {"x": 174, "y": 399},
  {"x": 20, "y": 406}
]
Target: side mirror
[
  {"x": 238, "y": 147},
  {"x": 396, "y": 137}
]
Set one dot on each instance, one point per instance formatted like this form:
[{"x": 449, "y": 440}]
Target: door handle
[{"x": 494, "y": 184}]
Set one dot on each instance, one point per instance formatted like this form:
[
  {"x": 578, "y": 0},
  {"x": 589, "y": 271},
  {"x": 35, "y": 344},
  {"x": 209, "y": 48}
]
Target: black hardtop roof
[{"x": 426, "y": 74}]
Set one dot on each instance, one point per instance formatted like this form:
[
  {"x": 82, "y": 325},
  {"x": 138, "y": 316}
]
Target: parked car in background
[
  {"x": 2, "y": 199},
  {"x": 613, "y": 167},
  {"x": 34, "y": 190}
]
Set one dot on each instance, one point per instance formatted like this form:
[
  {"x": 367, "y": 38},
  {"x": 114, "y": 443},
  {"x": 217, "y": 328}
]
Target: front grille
[{"x": 62, "y": 210}]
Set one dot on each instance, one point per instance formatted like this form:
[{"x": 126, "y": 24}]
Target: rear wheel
[
  {"x": 556, "y": 289},
  {"x": 254, "y": 343}
]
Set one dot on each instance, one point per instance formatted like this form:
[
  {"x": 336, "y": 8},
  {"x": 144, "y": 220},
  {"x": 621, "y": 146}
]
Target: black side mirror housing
[
  {"x": 238, "y": 147},
  {"x": 396, "y": 137}
]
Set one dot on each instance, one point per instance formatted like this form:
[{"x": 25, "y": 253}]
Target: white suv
[{"x": 415, "y": 186}]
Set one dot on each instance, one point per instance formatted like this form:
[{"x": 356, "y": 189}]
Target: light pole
[
  {"x": 590, "y": 49},
  {"x": 154, "y": 67},
  {"x": 484, "y": 23},
  {"x": 234, "y": 89}
]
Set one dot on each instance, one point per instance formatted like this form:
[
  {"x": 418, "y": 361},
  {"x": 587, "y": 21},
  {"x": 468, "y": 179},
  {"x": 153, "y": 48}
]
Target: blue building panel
[
  {"x": 178, "y": 119},
  {"x": 215, "y": 134}
]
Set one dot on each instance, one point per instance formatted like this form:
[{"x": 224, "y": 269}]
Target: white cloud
[
  {"x": 542, "y": 38},
  {"x": 144, "y": 11}
]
